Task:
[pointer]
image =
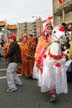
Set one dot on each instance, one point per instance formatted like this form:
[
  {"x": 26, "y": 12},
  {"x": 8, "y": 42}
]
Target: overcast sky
[{"x": 23, "y": 10}]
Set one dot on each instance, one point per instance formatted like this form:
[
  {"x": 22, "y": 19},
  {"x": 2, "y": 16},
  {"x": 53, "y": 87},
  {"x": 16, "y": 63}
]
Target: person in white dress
[{"x": 53, "y": 78}]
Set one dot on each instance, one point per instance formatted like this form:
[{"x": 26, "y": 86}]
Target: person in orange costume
[
  {"x": 20, "y": 67},
  {"x": 24, "y": 49},
  {"x": 43, "y": 42},
  {"x": 31, "y": 51},
  {"x": 6, "y": 48},
  {"x": 26, "y": 67}
]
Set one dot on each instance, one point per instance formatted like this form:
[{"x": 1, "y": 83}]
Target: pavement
[{"x": 29, "y": 95}]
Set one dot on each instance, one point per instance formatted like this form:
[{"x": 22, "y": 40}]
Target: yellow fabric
[
  {"x": 42, "y": 43},
  {"x": 70, "y": 50}
]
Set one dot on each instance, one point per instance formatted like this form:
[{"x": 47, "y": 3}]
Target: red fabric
[
  {"x": 60, "y": 1},
  {"x": 62, "y": 29},
  {"x": 40, "y": 67},
  {"x": 58, "y": 64},
  {"x": 39, "y": 64},
  {"x": 50, "y": 17},
  {"x": 48, "y": 21},
  {"x": 52, "y": 92},
  {"x": 33, "y": 40},
  {"x": 44, "y": 56},
  {"x": 70, "y": 28},
  {"x": 56, "y": 57},
  {"x": 23, "y": 54},
  {"x": 33, "y": 59}
]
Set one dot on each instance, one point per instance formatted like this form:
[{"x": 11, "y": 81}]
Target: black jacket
[{"x": 14, "y": 53}]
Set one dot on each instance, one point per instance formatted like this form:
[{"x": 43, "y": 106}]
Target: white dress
[
  {"x": 35, "y": 71},
  {"x": 53, "y": 77}
]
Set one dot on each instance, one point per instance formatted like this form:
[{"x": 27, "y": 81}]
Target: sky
[{"x": 24, "y": 10}]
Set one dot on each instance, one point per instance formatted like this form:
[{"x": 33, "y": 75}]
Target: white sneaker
[{"x": 11, "y": 90}]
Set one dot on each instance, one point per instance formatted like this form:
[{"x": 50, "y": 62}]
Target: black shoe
[
  {"x": 20, "y": 84},
  {"x": 30, "y": 77}
]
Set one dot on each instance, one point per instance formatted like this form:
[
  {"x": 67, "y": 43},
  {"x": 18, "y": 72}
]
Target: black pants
[
  {"x": 69, "y": 76},
  {"x": 69, "y": 73}
]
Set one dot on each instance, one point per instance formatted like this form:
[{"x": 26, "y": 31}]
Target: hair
[
  {"x": 31, "y": 35},
  {"x": 65, "y": 26}
]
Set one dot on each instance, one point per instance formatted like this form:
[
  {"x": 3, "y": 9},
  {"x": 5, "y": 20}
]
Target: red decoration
[
  {"x": 56, "y": 57},
  {"x": 58, "y": 64},
  {"x": 62, "y": 29},
  {"x": 70, "y": 28},
  {"x": 50, "y": 17},
  {"x": 44, "y": 56},
  {"x": 60, "y": 1},
  {"x": 48, "y": 20},
  {"x": 33, "y": 41}
]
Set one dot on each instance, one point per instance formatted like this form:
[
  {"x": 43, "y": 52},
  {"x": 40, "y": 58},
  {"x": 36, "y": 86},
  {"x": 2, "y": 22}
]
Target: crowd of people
[{"x": 41, "y": 60}]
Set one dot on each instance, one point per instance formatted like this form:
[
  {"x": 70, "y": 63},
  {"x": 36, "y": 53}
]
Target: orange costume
[
  {"x": 27, "y": 52},
  {"x": 31, "y": 51},
  {"x": 5, "y": 48},
  {"x": 24, "y": 49},
  {"x": 40, "y": 49}
]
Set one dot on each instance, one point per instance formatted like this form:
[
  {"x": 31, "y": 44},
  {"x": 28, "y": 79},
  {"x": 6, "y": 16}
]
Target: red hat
[{"x": 12, "y": 37}]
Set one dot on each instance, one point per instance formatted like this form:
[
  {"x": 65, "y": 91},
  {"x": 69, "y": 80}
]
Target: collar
[{"x": 56, "y": 57}]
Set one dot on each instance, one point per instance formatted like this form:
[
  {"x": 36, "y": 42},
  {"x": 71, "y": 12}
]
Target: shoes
[
  {"x": 11, "y": 90},
  {"x": 19, "y": 84},
  {"x": 30, "y": 77},
  {"x": 53, "y": 98}
]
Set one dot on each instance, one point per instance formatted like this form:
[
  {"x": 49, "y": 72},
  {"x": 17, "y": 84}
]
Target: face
[
  {"x": 29, "y": 37},
  {"x": 25, "y": 34},
  {"x": 11, "y": 40},
  {"x": 59, "y": 35},
  {"x": 49, "y": 29},
  {"x": 24, "y": 39}
]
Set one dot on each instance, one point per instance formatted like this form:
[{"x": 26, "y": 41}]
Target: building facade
[
  {"x": 11, "y": 29},
  {"x": 7, "y": 29},
  {"x": 62, "y": 12},
  {"x": 33, "y": 28},
  {"x": 19, "y": 29}
]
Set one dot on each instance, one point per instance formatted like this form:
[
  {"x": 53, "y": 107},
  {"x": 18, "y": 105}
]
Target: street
[{"x": 29, "y": 95}]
